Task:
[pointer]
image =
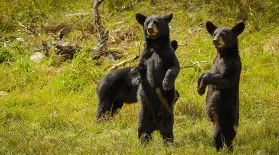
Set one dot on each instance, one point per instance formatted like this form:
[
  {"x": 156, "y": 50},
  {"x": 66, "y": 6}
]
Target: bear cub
[
  {"x": 156, "y": 91},
  {"x": 222, "y": 100},
  {"x": 117, "y": 88}
]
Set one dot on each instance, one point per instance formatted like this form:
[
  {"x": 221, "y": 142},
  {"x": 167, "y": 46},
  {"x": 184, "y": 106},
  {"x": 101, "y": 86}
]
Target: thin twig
[
  {"x": 182, "y": 44},
  {"x": 163, "y": 101},
  {"x": 195, "y": 63},
  {"x": 27, "y": 28},
  {"x": 78, "y": 14},
  {"x": 60, "y": 34},
  {"x": 123, "y": 63}
]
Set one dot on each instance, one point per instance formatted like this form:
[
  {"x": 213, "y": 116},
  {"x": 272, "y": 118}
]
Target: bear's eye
[
  {"x": 223, "y": 34},
  {"x": 214, "y": 34},
  {"x": 146, "y": 23},
  {"x": 156, "y": 23}
]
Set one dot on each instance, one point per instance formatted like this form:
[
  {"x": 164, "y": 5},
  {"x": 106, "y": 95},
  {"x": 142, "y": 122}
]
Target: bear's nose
[
  {"x": 215, "y": 41},
  {"x": 150, "y": 30}
]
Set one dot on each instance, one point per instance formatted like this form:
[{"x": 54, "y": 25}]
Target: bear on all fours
[
  {"x": 158, "y": 86},
  {"x": 222, "y": 99},
  {"x": 118, "y": 87}
]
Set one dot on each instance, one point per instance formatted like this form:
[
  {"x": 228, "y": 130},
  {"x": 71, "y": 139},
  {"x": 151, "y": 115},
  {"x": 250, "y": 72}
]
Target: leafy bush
[{"x": 5, "y": 55}]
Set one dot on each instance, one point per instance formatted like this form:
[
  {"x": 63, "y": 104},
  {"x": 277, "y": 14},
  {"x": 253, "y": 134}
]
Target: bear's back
[{"x": 114, "y": 80}]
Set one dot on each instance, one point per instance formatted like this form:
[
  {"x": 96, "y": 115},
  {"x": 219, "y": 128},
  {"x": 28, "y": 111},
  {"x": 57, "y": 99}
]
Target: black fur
[
  {"x": 222, "y": 100},
  {"x": 162, "y": 68},
  {"x": 120, "y": 87},
  {"x": 113, "y": 90}
]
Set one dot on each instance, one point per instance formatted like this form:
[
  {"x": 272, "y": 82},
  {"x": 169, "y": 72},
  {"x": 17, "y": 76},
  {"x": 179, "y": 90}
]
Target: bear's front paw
[
  {"x": 167, "y": 85},
  {"x": 135, "y": 76},
  {"x": 134, "y": 72},
  {"x": 136, "y": 81},
  {"x": 200, "y": 79},
  {"x": 201, "y": 91},
  {"x": 201, "y": 86},
  {"x": 142, "y": 70}
]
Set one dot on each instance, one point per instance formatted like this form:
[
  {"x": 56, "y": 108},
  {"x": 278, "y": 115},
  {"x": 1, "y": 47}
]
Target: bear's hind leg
[
  {"x": 167, "y": 136},
  {"x": 103, "y": 109},
  {"x": 218, "y": 137},
  {"x": 166, "y": 128},
  {"x": 144, "y": 131},
  {"x": 115, "y": 106},
  {"x": 229, "y": 134},
  {"x": 146, "y": 126}
]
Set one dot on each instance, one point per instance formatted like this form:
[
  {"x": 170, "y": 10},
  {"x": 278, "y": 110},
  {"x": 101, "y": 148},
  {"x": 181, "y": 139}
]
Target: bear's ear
[
  {"x": 140, "y": 18},
  {"x": 174, "y": 44},
  {"x": 238, "y": 28},
  {"x": 168, "y": 18},
  {"x": 210, "y": 27}
]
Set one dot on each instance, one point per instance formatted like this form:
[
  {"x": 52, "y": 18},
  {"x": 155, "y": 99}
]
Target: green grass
[{"x": 50, "y": 107}]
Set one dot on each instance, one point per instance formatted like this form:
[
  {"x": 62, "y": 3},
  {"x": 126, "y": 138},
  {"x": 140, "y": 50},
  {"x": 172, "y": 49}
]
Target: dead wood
[
  {"x": 79, "y": 14},
  {"x": 195, "y": 63},
  {"x": 28, "y": 28},
  {"x": 164, "y": 101},
  {"x": 183, "y": 44},
  {"x": 123, "y": 63},
  {"x": 66, "y": 49},
  {"x": 61, "y": 33},
  {"x": 103, "y": 36}
]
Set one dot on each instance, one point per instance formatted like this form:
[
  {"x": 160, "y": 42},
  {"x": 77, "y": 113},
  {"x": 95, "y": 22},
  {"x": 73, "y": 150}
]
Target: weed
[{"x": 50, "y": 107}]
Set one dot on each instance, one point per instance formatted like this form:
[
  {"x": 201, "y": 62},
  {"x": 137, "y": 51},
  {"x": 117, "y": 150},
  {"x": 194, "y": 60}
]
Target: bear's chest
[
  {"x": 155, "y": 62},
  {"x": 156, "y": 70},
  {"x": 219, "y": 66}
]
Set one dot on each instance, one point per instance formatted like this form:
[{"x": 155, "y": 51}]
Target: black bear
[
  {"x": 156, "y": 91},
  {"x": 222, "y": 100},
  {"x": 117, "y": 87}
]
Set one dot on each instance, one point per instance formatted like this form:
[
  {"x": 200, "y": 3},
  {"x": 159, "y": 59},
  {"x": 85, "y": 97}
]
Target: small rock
[
  {"x": 37, "y": 57},
  {"x": 3, "y": 93},
  {"x": 20, "y": 39}
]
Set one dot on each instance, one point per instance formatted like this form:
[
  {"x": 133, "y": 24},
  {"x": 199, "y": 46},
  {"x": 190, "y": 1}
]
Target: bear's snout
[
  {"x": 215, "y": 41},
  {"x": 152, "y": 30},
  {"x": 218, "y": 42}
]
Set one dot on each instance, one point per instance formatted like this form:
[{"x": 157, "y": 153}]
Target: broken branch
[
  {"x": 195, "y": 63},
  {"x": 163, "y": 101},
  {"x": 28, "y": 28},
  {"x": 103, "y": 36},
  {"x": 183, "y": 44},
  {"x": 123, "y": 63}
]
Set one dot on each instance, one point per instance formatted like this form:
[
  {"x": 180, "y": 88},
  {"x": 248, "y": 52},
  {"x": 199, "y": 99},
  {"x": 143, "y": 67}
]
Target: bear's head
[
  {"x": 154, "y": 26},
  {"x": 224, "y": 38}
]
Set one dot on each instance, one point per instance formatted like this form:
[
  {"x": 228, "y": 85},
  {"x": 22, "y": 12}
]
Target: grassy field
[{"x": 49, "y": 108}]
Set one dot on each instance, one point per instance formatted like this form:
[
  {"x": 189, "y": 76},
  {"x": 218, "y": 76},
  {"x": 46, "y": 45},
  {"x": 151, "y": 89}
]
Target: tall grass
[{"x": 49, "y": 108}]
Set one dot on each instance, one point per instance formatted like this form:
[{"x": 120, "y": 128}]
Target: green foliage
[
  {"x": 5, "y": 55},
  {"x": 49, "y": 108},
  {"x": 120, "y": 5},
  {"x": 68, "y": 81}
]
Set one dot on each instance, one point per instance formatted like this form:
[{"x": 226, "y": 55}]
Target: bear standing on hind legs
[
  {"x": 222, "y": 100},
  {"x": 156, "y": 91},
  {"x": 118, "y": 87}
]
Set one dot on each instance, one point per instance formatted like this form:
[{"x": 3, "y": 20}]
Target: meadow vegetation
[{"x": 50, "y": 107}]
